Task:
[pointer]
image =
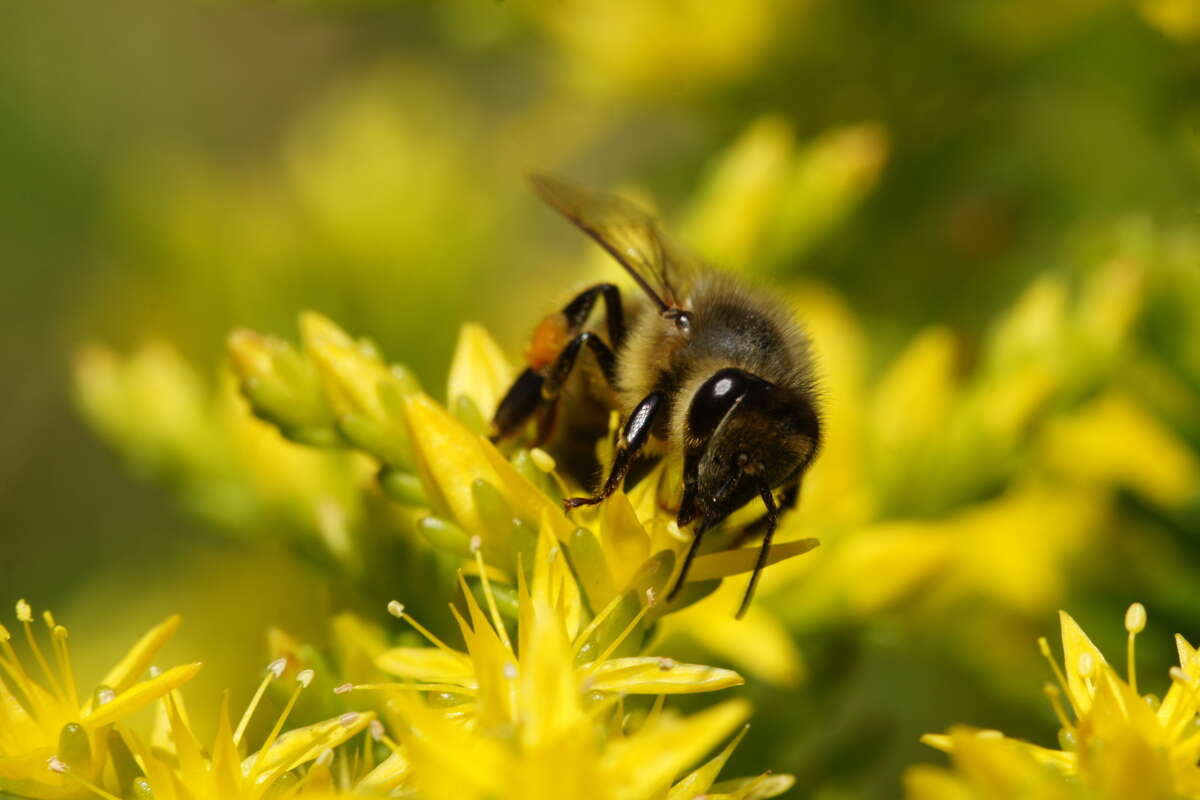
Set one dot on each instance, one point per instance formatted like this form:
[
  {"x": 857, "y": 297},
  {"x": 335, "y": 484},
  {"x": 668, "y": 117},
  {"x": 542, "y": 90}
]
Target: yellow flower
[
  {"x": 53, "y": 741},
  {"x": 544, "y": 716},
  {"x": 1115, "y": 743},
  {"x": 176, "y": 766}
]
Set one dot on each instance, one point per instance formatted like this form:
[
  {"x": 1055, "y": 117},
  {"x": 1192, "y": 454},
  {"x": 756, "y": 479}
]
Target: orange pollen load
[{"x": 549, "y": 339}]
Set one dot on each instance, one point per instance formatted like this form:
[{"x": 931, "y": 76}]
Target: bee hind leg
[
  {"x": 634, "y": 435},
  {"x": 536, "y": 388},
  {"x": 520, "y": 403}
]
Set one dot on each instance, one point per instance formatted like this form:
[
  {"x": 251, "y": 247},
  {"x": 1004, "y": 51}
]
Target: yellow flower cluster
[
  {"x": 55, "y": 743},
  {"x": 546, "y": 710},
  {"x": 1114, "y": 743}
]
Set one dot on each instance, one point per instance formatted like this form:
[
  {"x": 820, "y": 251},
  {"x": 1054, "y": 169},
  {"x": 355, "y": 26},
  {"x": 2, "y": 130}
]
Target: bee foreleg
[
  {"x": 772, "y": 518},
  {"x": 787, "y": 501},
  {"x": 688, "y": 558},
  {"x": 634, "y": 435}
]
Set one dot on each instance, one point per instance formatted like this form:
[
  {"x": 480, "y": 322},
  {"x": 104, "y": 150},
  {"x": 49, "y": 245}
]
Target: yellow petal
[
  {"x": 925, "y": 782},
  {"x": 450, "y": 458},
  {"x": 388, "y": 775},
  {"x": 626, "y": 543},
  {"x": 301, "y": 745},
  {"x": 549, "y": 705},
  {"x": 226, "y": 768},
  {"x": 1078, "y": 651},
  {"x": 732, "y": 562},
  {"x": 646, "y": 763},
  {"x": 698, "y": 782},
  {"x": 141, "y": 655},
  {"x": 140, "y": 695},
  {"x": 759, "y": 787},
  {"x": 351, "y": 376},
  {"x": 478, "y": 370},
  {"x": 495, "y": 665},
  {"x": 429, "y": 664},
  {"x": 658, "y": 676},
  {"x": 448, "y": 761}
]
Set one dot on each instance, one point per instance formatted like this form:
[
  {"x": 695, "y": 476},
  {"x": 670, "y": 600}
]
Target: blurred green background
[{"x": 172, "y": 171}]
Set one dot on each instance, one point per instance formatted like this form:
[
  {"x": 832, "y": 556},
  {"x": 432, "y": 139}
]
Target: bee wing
[{"x": 629, "y": 234}]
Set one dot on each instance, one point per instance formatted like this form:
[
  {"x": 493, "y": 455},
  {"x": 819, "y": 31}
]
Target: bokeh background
[{"x": 986, "y": 211}]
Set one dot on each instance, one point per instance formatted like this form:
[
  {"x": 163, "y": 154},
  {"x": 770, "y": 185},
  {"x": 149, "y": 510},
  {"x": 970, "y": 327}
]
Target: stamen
[
  {"x": 497, "y": 623},
  {"x": 16, "y": 670},
  {"x": 348, "y": 719},
  {"x": 615, "y": 643},
  {"x": 413, "y": 687},
  {"x": 379, "y": 734},
  {"x": 396, "y": 609},
  {"x": 1087, "y": 669},
  {"x": 1135, "y": 623},
  {"x": 274, "y": 670},
  {"x": 582, "y": 638},
  {"x": 656, "y": 710},
  {"x": 25, "y": 615},
  {"x": 58, "y": 636},
  {"x": 1044, "y": 648},
  {"x": 302, "y": 681},
  {"x": 344, "y": 688},
  {"x": 1055, "y": 697},
  {"x": 55, "y": 764}
]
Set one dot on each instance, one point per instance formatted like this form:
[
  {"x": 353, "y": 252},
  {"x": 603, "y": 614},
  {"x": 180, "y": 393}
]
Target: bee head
[{"x": 744, "y": 436}]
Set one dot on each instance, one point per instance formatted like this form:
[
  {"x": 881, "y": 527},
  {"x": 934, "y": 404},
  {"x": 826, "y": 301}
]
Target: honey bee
[{"x": 700, "y": 366}]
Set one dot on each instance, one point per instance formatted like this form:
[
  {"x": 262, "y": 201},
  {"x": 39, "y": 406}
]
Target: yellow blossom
[
  {"x": 54, "y": 741},
  {"x": 1114, "y": 742},
  {"x": 175, "y": 766},
  {"x": 543, "y": 716}
]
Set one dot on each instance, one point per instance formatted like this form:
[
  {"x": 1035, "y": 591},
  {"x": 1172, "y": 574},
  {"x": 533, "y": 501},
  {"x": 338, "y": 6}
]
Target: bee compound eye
[{"x": 713, "y": 401}]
